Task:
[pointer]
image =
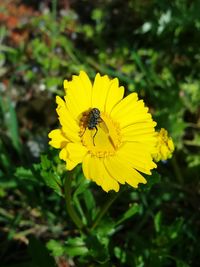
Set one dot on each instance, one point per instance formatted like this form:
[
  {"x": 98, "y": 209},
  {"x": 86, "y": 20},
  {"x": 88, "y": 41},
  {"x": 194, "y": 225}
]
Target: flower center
[{"x": 99, "y": 133}]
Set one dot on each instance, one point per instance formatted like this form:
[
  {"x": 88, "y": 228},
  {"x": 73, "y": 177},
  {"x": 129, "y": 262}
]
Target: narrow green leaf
[
  {"x": 24, "y": 173},
  {"x": 158, "y": 221},
  {"x": 135, "y": 208},
  {"x": 10, "y": 119}
]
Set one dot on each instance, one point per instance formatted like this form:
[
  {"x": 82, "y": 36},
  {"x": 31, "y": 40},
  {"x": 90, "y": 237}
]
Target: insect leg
[
  {"x": 95, "y": 134},
  {"x": 83, "y": 132}
]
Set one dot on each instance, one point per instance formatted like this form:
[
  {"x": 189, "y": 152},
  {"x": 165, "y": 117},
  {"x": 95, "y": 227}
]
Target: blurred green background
[{"x": 153, "y": 47}]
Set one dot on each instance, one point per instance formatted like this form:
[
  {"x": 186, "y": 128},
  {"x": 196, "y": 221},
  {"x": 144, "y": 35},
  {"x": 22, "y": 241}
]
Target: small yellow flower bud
[{"x": 164, "y": 146}]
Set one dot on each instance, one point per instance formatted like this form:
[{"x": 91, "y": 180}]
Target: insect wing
[{"x": 103, "y": 126}]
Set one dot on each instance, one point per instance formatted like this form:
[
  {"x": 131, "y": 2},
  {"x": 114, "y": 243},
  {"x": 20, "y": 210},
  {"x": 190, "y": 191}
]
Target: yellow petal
[
  {"x": 133, "y": 136},
  {"x": 78, "y": 94},
  {"x": 114, "y": 95},
  {"x": 58, "y": 139},
  {"x": 128, "y": 102},
  {"x": 75, "y": 155},
  {"x": 138, "y": 178},
  {"x": 106, "y": 93},
  {"x": 100, "y": 91},
  {"x": 130, "y": 111},
  {"x": 91, "y": 173},
  {"x": 112, "y": 166},
  {"x": 142, "y": 151},
  {"x": 108, "y": 182},
  {"x": 147, "y": 140},
  {"x": 140, "y": 160},
  {"x": 63, "y": 153},
  {"x": 94, "y": 169},
  {"x": 123, "y": 172},
  {"x": 139, "y": 128},
  {"x": 135, "y": 118},
  {"x": 76, "y": 152},
  {"x": 70, "y": 165},
  {"x": 69, "y": 126}
]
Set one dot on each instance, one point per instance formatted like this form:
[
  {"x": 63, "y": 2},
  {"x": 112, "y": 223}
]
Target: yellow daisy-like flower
[
  {"x": 164, "y": 146},
  {"x": 113, "y": 138}
]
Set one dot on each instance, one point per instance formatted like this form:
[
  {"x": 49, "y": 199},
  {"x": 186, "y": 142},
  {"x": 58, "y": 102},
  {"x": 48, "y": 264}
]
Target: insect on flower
[
  {"x": 92, "y": 120},
  {"x": 113, "y": 137}
]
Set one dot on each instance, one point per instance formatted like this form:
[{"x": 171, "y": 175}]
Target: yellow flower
[
  {"x": 164, "y": 146},
  {"x": 113, "y": 138}
]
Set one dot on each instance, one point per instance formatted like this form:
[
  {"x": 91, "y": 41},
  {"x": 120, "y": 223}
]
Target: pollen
[{"x": 102, "y": 141}]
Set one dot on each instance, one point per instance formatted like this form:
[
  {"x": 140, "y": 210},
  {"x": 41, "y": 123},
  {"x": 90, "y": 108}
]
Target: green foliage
[
  {"x": 153, "y": 48},
  {"x": 10, "y": 120},
  {"x": 51, "y": 177}
]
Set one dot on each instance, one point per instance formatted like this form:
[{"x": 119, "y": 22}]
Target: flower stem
[
  {"x": 70, "y": 209},
  {"x": 104, "y": 209}
]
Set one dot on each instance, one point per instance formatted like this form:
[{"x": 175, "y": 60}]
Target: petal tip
[{"x": 65, "y": 84}]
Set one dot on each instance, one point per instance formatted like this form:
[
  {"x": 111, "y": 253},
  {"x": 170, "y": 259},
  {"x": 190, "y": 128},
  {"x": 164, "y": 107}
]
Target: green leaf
[
  {"x": 97, "y": 249},
  {"x": 158, "y": 221},
  {"x": 11, "y": 122},
  {"x": 4, "y": 157},
  {"x": 56, "y": 248},
  {"x": 105, "y": 229},
  {"x": 76, "y": 247},
  {"x": 82, "y": 186},
  {"x": 52, "y": 180},
  {"x": 90, "y": 203},
  {"x": 13, "y": 126},
  {"x": 82, "y": 191},
  {"x": 193, "y": 160},
  {"x": 135, "y": 208},
  {"x": 120, "y": 254},
  {"x": 50, "y": 177},
  {"x": 24, "y": 173},
  {"x": 5, "y": 48}
]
